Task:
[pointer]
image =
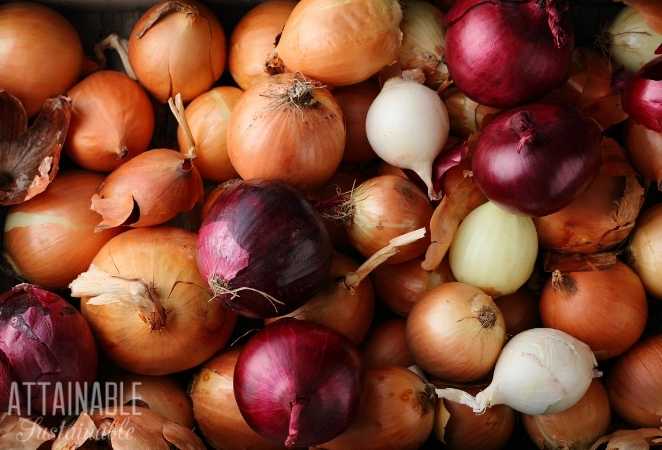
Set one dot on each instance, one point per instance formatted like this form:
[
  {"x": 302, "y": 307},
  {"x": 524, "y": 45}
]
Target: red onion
[
  {"x": 45, "y": 339},
  {"x": 298, "y": 383},
  {"x": 263, "y": 250},
  {"x": 642, "y": 96},
  {"x": 536, "y": 159},
  {"x": 503, "y": 53},
  {"x": 6, "y": 380}
]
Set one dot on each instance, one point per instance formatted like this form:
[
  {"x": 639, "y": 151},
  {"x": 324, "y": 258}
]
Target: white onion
[
  {"x": 494, "y": 250},
  {"x": 539, "y": 371},
  {"x": 632, "y": 41},
  {"x": 407, "y": 126}
]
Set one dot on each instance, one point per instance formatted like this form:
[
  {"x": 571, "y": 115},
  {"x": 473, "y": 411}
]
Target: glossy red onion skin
[
  {"x": 642, "y": 96},
  {"x": 6, "y": 380},
  {"x": 45, "y": 339},
  {"x": 503, "y": 53},
  {"x": 265, "y": 236},
  {"x": 541, "y": 176},
  {"x": 294, "y": 360}
]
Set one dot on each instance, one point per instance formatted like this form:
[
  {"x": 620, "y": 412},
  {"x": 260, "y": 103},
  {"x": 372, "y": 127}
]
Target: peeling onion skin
[
  {"x": 642, "y": 96},
  {"x": 645, "y": 149},
  {"x": 646, "y": 250},
  {"x": 387, "y": 346}
]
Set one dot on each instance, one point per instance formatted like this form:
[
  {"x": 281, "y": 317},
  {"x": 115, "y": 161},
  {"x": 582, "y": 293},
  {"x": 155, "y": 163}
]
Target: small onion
[
  {"x": 355, "y": 101},
  {"x": 520, "y": 311},
  {"x": 634, "y": 384},
  {"x": 112, "y": 121},
  {"x": 177, "y": 46},
  {"x": 387, "y": 346},
  {"x": 455, "y": 332},
  {"x": 632, "y": 41},
  {"x": 50, "y": 239},
  {"x": 466, "y": 116},
  {"x": 576, "y": 428},
  {"x": 494, "y": 250},
  {"x": 341, "y": 43},
  {"x": 645, "y": 149},
  {"x": 646, "y": 250},
  {"x": 642, "y": 96}
]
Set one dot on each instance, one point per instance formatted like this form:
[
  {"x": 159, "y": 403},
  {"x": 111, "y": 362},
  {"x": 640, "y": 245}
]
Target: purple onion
[{"x": 642, "y": 96}]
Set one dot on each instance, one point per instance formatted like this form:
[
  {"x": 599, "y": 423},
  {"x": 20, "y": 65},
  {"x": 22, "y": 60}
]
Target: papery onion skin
[
  {"x": 632, "y": 41},
  {"x": 387, "y": 346},
  {"x": 455, "y": 332},
  {"x": 50, "y": 239},
  {"x": 323, "y": 385},
  {"x": 466, "y": 116},
  {"x": 577, "y": 427},
  {"x": 645, "y": 149},
  {"x": 177, "y": 46},
  {"x": 262, "y": 237},
  {"x": 503, "y": 54},
  {"x": 208, "y": 116},
  {"x": 634, "y": 385},
  {"x": 520, "y": 148},
  {"x": 341, "y": 43},
  {"x": 646, "y": 250},
  {"x": 520, "y": 311},
  {"x": 254, "y": 40},
  {"x": 355, "y": 101},
  {"x": 41, "y": 55},
  {"x": 287, "y": 128},
  {"x": 214, "y": 194},
  {"x": 112, "y": 121},
  {"x": 642, "y": 96}
]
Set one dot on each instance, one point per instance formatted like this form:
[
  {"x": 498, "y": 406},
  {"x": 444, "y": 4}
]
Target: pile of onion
[
  {"x": 355, "y": 102},
  {"x": 646, "y": 250},
  {"x": 642, "y": 96},
  {"x": 387, "y": 346},
  {"x": 645, "y": 149},
  {"x": 147, "y": 304},
  {"x": 632, "y": 40}
]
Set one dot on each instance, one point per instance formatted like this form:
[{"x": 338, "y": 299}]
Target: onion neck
[
  {"x": 121, "y": 46},
  {"x": 487, "y": 317},
  {"x": 297, "y": 407},
  {"x": 555, "y": 10},
  {"x": 177, "y": 108},
  {"x": 564, "y": 283},
  {"x": 164, "y": 9},
  {"x": 523, "y": 126}
]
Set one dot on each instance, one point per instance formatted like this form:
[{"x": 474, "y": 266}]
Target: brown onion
[
  {"x": 41, "y": 55},
  {"x": 50, "y": 239},
  {"x": 355, "y": 101},
  {"x": 605, "y": 309},
  {"x": 287, "y": 128},
  {"x": 645, "y": 149},
  {"x": 396, "y": 411},
  {"x": 466, "y": 116},
  {"x": 177, "y": 46},
  {"x": 646, "y": 250},
  {"x": 112, "y": 121},
  {"x": 148, "y": 305},
  {"x": 455, "y": 332},
  {"x": 254, "y": 40},
  {"x": 641, "y": 439},
  {"x": 575, "y": 428},
  {"x": 520, "y": 311},
  {"x": 387, "y": 346},
  {"x": 635, "y": 385}
]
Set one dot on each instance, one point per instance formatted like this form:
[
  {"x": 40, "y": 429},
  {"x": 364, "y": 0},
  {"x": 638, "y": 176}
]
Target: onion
[
  {"x": 539, "y": 371},
  {"x": 387, "y": 346},
  {"x": 577, "y": 427},
  {"x": 316, "y": 373},
  {"x": 355, "y": 101},
  {"x": 214, "y": 194},
  {"x": 40, "y": 53},
  {"x": 208, "y": 116},
  {"x": 263, "y": 250},
  {"x": 645, "y": 149},
  {"x": 396, "y": 411},
  {"x": 50, "y": 239},
  {"x": 400, "y": 286},
  {"x": 519, "y": 310},
  {"x": 632, "y": 40},
  {"x": 177, "y": 46},
  {"x": 148, "y": 305},
  {"x": 45, "y": 340},
  {"x": 466, "y": 116},
  {"x": 634, "y": 385},
  {"x": 216, "y": 411},
  {"x": 494, "y": 250},
  {"x": 341, "y": 43},
  {"x": 642, "y": 96},
  {"x": 112, "y": 121},
  {"x": 19, "y": 431},
  {"x": 603, "y": 215},
  {"x": 254, "y": 39},
  {"x": 407, "y": 126},
  {"x": 503, "y": 54},
  {"x": 645, "y": 251},
  {"x": 536, "y": 159},
  {"x": 641, "y": 439},
  {"x": 6, "y": 381},
  {"x": 287, "y": 128}
]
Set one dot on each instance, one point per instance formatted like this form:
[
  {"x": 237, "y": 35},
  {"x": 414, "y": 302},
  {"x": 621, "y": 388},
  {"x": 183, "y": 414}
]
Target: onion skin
[
  {"x": 646, "y": 250},
  {"x": 216, "y": 411},
  {"x": 40, "y": 53},
  {"x": 645, "y": 149},
  {"x": 50, "y": 239},
  {"x": 387, "y": 346},
  {"x": 253, "y": 41},
  {"x": 112, "y": 121},
  {"x": 341, "y": 43},
  {"x": 466, "y": 116},
  {"x": 519, "y": 149},
  {"x": 208, "y": 116},
  {"x": 633, "y": 41},
  {"x": 324, "y": 384},
  {"x": 605, "y": 309},
  {"x": 355, "y": 101},
  {"x": 634, "y": 385},
  {"x": 214, "y": 194},
  {"x": 177, "y": 46},
  {"x": 528, "y": 59},
  {"x": 576, "y": 428},
  {"x": 642, "y": 96},
  {"x": 520, "y": 311}
]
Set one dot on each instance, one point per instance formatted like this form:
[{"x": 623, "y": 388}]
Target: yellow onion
[
  {"x": 466, "y": 116},
  {"x": 646, "y": 250},
  {"x": 632, "y": 40},
  {"x": 112, "y": 121},
  {"x": 387, "y": 346},
  {"x": 520, "y": 311},
  {"x": 177, "y": 46},
  {"x": 50, "y": 239},
  {"x": 641, "y": 439},
  {"x": 148, "y": 305},
  {"x": 355, "y": 101},
  {"x": 341, "y": 43},
  {"x": 40, "y": 53},
  {"x": 645, "y": 149}
]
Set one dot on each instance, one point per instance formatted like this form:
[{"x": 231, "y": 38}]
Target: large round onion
[
  {"x": 642, "y": 96},
  {"x": 645, "y": 149},
  {"x": 40, "y": 53},
  {"x": 536, "y": 159},
  {"x": 646, "y": 250}
]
